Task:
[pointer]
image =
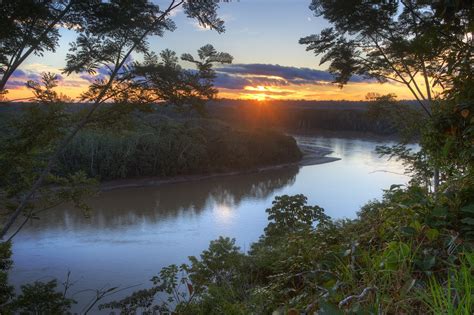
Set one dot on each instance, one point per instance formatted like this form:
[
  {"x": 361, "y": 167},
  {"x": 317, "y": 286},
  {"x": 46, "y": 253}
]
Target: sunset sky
[{"x": 262, "y": 35}]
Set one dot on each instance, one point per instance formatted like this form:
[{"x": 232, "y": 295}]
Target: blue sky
[
  {"x": 257, "y": 31},
  {"x": 263, "y": 33}
]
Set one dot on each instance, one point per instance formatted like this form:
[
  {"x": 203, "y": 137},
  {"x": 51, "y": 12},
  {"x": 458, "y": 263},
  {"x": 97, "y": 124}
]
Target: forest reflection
[{"x": 120, "y": 208}]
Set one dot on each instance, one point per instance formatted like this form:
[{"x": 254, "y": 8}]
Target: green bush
[{"x": 42, "y": 299}]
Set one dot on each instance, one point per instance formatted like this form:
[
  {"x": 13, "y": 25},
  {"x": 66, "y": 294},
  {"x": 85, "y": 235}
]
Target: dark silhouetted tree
[
  {"x": 425, "y": 45},
  {"x": 32, "y": 27},
  {"x": 110, "y": 32}
]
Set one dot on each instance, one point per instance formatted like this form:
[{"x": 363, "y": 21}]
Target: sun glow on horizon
[
  {"x": 262, "y": 93},
  {"x": 74, "y": 86},
  {"x": 354, "y": 91}
]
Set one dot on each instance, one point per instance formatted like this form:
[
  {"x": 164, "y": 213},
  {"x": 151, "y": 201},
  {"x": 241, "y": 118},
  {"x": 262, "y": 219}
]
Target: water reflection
[
  {"x": 134, "y": 232},
  {"x": 119, "y": 209}
]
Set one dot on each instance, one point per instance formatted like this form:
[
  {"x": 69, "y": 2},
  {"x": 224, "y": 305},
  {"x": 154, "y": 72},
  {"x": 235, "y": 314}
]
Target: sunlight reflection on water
[{"x": 134, "y": 232}]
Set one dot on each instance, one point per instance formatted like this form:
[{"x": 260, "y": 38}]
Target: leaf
[
  {"x": 469, "y": 208},
  {"x": 395, "y": 254},
  {"x": 404, "y": 250},
  {"x": 408, "y": 230},
  {"x": 393, "y": 187},
  {"x": 427, "y": 263},
  {"x": 408, "y": 286},
  {"x": 469, "y": 221},
  {"x": 416, "y": 225},
  {"x": 440, "y": 212},
  {"x": 432, "y": 234}
]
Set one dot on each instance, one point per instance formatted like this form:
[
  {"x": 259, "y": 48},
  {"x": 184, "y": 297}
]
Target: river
[{"x": 134, "y": 232}]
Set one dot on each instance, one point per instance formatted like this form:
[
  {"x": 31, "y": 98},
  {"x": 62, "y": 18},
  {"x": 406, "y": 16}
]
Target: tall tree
[
  {"x": 110, "y": 33},
  {"x": 165, "y": 79},
  {"x": 32, "y": 27},
  {"x": 424, "y": 45}
]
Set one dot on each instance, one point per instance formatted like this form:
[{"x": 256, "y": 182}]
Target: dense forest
[
  {"x": 383, "y": 117},
  {"x": 411, "y": 252},
  {"x": 164, "y": 143},
  {"x": 229, "y": 135}
]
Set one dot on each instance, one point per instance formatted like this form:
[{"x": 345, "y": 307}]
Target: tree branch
[
  {"x": 400, "y": 75},
  {"x": 80, "y": 125},
  {"x": 33, "y": 47}
]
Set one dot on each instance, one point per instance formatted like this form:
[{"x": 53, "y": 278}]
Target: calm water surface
[{"x": 132, "y": 233}]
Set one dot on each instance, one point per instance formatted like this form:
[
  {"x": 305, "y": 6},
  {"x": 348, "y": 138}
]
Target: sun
[
  {"x": 257, "y": 93},
  {"x": 260, "y": 97}
]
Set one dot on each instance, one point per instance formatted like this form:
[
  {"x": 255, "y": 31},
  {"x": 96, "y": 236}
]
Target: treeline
[
  {"x": 163, "y": 142},
  {"x": 160, "y": 146},
  {"x": 308, "y": 116}
]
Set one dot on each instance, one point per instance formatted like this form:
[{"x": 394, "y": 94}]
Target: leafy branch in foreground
[
  {"x": 111, "y": 32},
  {"x": 427, "y": 46},
  {"x": 32, "y": 27},
  {"x": 165, "y": 80},
  {"x": 403, "y": 41},
  {"x": 30, "y": 138}
]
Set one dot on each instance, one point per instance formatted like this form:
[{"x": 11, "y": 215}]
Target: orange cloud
[
  {"x": 352, "y": 91},
  {"x": 257, "y": 81}
]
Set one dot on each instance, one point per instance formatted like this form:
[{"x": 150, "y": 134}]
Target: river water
[{"x": 134, "y": 232}]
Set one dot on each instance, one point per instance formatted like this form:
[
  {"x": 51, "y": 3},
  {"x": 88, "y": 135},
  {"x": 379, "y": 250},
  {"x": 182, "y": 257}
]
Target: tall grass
[{"x": 455, "y": 296}]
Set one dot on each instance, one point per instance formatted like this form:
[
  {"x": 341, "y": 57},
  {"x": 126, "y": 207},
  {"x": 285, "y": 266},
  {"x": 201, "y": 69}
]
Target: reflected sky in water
[{"x": 132, "y": 233}]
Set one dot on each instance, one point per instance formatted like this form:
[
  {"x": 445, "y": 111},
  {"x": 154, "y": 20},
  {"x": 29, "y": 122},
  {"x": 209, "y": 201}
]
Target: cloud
[
  {"x": 227, "y": 18},
  {"x": 237, "y": 76},
  {"x": 103, "y": 72},
  {"x": 238, "y": 82},
  {"x": 269, "y": 92},
  {"x": 19, "y": 78},
  {"x": 176, "y": 11},
  {"x": 232, "y": 82},
  {"x": 92, "y": 78}
]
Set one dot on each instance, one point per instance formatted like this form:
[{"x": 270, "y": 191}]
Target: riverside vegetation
[
  {"x": 409, "y": 253},
  {"x": 171, "y": 148},
  {"x": 155, "y": 144},
  {"x": 370, "y": 117}
]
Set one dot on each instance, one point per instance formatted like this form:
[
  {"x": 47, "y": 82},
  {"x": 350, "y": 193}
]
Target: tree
[
  {"x": 166, "y": 80},
  {"x": 425, "y": 45},
  {"x": 32, "y": 27},
  {"x": 111, "y": 31},
  {"x": 25, "y": 145},
  {"x": 290, "y": 214},
  {"x": 221, "y": 266},
  {"x": 41, "y": 298}
]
